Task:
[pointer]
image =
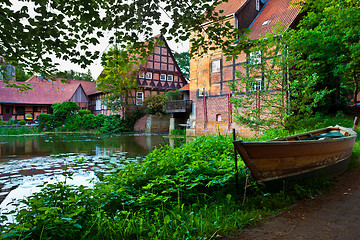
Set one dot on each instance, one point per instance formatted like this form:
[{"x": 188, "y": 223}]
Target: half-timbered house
[
  {"x": 210, "y": 73},
  {"x": 159, "y": 74}
]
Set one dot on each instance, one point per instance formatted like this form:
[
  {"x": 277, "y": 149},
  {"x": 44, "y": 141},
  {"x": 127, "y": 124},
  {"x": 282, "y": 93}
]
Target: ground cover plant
[{"x": 184, "y": 193}]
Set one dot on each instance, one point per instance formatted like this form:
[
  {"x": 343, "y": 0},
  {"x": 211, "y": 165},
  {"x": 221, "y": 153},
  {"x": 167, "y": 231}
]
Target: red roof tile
[
  {"x": 229, "y": 7},
  {"x": 41, "y": 93},
  {"x": 275, "y": 11},
  {"x": 185, "y": 88},
  {"x": 89, "y": 87}
]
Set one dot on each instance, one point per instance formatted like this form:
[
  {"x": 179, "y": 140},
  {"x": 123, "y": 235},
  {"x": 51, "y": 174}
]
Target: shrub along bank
[
  {"x": 67, "y": 118},
  {"x": 184, "y": 193}
]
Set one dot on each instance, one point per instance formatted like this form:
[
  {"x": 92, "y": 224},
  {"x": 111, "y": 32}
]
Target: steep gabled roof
[
  {"x": 41, "y": 93},
  {"x": 275, "y": 11}
]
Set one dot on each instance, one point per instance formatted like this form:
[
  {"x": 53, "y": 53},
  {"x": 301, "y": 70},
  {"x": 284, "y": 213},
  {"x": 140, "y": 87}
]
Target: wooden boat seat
[{"x": 328, "y": 135}]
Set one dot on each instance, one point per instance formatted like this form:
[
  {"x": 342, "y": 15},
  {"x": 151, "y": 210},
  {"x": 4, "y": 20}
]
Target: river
[{"x": 27, "y": 161}]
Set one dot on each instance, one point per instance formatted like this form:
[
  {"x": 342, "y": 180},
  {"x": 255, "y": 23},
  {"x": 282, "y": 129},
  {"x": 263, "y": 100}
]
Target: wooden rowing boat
[{"x": 324, "y": 152}]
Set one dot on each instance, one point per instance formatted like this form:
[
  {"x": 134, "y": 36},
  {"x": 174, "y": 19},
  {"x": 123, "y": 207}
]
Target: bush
[
  {"x": 47, "y": 122},
  {"x": 88, "y": 122},
  {"x": 178, "y": 132},
  {"x": 173, "y": 95},
  {"x": 2, "y": 122},
  {"x": 83, "y": 112},
  {"x": 63, "y": 110},
  {"x": 73, "y": 123},
  {"x": 99, "y": 120},
  {"x": 155, "y": 104},
  {"x": 114, "y": 124},
  {"x": 22, "y": 122},
  {"x": 12, "y": 122}
]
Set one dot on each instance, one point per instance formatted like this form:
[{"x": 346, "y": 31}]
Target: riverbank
[{"x": 185, "y": 192}]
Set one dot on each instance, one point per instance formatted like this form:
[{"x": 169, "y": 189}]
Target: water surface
[{"x": 21, "y": 147}]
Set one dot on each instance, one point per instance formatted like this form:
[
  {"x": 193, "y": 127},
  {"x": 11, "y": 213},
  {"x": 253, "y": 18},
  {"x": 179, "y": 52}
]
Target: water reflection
[{"x": 90, "y": 144}]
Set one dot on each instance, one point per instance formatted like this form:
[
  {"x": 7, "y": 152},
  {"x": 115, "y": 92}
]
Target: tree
[
  {"x": 37, "y": 29},
  {"x": 21, "y": 74},
  {"x": 328, "y": 40},
  {"x": 183, "y": 61},
  {"x": 69, "y": 29},
  {"x": 71, "y": 74},
  {"x": 118, "y": 78}
]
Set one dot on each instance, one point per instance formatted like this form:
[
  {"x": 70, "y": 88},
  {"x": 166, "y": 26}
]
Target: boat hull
[{"x": 288, "y": 159}]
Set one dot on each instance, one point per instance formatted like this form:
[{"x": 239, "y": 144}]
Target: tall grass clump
[{"x": 18, "y": 130}]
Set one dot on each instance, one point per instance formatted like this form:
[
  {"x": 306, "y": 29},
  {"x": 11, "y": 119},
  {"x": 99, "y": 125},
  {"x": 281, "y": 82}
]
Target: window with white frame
[
  {"x": 257, "y": 86},
  {"x": 255, "y": 57},
  {"x": 142, "y": 75},
  {"x": 257, "y": 5},
  {"x": 139, "y": 98},
  {"x": 98, "y": 104},
  {"x": 170, "y": 78},
  {"x": 163, "y": 77},
  {"x": 201, "y": 92},
  {"x": 215, "y": 66},
  {"x": 149, "y": 75}
]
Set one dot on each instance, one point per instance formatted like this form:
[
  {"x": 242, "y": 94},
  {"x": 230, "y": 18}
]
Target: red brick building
[{"x": 211, "y": 73}]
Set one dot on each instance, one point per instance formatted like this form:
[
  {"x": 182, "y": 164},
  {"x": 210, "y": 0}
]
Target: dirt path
[{"x": 333, "y": 215}]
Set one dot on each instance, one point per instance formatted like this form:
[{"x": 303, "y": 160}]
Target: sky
[{"x": 96, "y": 67}]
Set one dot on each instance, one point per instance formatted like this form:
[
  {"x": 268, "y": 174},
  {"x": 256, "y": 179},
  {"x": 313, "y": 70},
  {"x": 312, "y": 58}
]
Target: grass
[
  {"x": 184, "y": 193},
  {"x": 18, "y": 130}
]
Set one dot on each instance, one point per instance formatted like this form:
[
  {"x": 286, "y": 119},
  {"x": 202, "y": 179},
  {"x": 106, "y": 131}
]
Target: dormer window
[{"x": 266, "y": 23}]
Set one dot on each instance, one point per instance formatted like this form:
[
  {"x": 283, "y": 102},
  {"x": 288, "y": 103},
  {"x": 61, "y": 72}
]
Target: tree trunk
[{"x": 356, "y": 86}]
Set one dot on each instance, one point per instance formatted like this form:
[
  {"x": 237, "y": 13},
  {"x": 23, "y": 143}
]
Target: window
[
  {"x": 170, "y": 78},
  {"x": 255, "y": 57},
  {"x": 257, "y": 5},
  {"x": 19, "y": 110},
  {"x": 149, "y": 75},
  {"x": 216, "y": 66},
  {"x": 163, "y": 77},
  {"x": 218, "y": 118},
  {"x": 98, "y": 104},
  {"x": 141, "y": 75},
  {"x": 257, "y": 86},
  {"x": 201, "y": 92},
  {"x": 139, "y": 98}
]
